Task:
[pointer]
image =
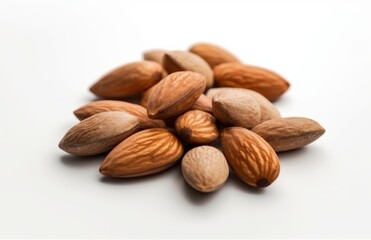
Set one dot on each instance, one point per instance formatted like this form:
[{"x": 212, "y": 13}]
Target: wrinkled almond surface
[
  {"x": 205, "y": 168},
  {"x": 289, "y": 133},
  {"x": 146, "y": 152},
  {"x": 99, "y": 133},
  {"x": 252, "y": 159},
  {"x": 261, "y": 80}
]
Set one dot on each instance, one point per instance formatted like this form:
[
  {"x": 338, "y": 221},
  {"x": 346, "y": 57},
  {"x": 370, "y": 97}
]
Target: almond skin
[
  {"x": 128, "y": 80},
  {"x": 120, "y": 106},
  {"x": 212, "y": 54},
  {"x": 146, "y": 152},
  {"x": 99, "y": 133},
  {"x": 267, "y": 109},
  {"x": 205, "y": 168},
  {"x": 197, "y": 127},
  {"x": 156, "y": 55},
  {"x": 175, "y": 61},
  {"x": 251, "y": 158},
  {"x": 289, "y": 133},
  {"x": 261, "y": 80},
  {"x": 237, "y": 109},
  {"x": 175, "y": 94},
  {"x": 203, "y": 103}
]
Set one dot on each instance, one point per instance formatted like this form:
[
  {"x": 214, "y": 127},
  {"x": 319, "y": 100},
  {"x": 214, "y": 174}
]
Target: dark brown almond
[{"x": 289, "y": 133}]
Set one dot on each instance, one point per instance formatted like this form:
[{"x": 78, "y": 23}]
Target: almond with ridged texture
[
  {"x": 175, "y": 61},
  {"x": 175, "y": 94},
  {"x": 128, "y": 80},
  {"x": 99, "y": 133},
  {"x": 197, "y": 127},
  {"x": 205, "y": 168},
  {"x": 236, "y": 109},
  {"x": 112, "y": 105},
  {"x": 146, "y": 152},
  {"x": 267, "y": 109},
  {"x": 203, "y": 103},
  {"x": 289, "y": 133},
  {"x": 261, "y": 80},
  {"x": 212, "y": 54},
  {"x": 250, "y": 157}
]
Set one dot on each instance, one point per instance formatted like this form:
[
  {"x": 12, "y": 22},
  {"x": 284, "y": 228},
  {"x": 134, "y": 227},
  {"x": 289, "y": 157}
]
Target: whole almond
[
  {"x": 146, "y": 152},
  {"x": 261, "y": 80},
  {"x": 289, "y": 133},
  {"x": 128, "y": 80},
  {"x": 205, "y": 168},
  {"x": 212, "y": 54},
  {"x": 120, "y": 106},
  {"x": 99, "y": 133},
  {"x": 175, "y": 61},
  {"x": 156, "y": 55},
  {"x": 197, "y": 127},
  {"x": 236, "y": 108},
  {"x": 267, "y": 109},
  {"x": 251, "y": 158},
  {"x": 203, "y": 103},
  {"x": 175, "y": 94}
]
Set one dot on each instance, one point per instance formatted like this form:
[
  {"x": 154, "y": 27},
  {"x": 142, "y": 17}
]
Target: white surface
[{"x": 51, "y": 51}]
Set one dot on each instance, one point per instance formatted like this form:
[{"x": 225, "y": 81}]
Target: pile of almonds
[{"x": 202, "y": 106}]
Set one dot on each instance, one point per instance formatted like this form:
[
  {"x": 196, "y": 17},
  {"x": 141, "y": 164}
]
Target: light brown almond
[
  {"x": 212, "y": 54},
  {"x": 267, "y": 109},
  {"x": 236, "y": 109},
  {"x": 156, "y": 55},
  {"x": 251, "y": 158},
  {"x": 261, "y": 80},
  {"x": 128, "y": 80},
  {"x": 175, "y": 94},
  {"x": 197, "y": 127},
  {"x": 205, "y": 168},
  {"x": 99, "y": 133},
  {"x": 203, "y": 103},
  {"x": 175, "y": 61},
  {"x": 120, "y": 106},
  {"x": 289, "y": 133},
  {"x": 146, "y": 152}
]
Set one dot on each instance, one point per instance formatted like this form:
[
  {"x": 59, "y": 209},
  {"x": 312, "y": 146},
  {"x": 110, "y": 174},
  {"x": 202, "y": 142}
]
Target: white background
[{"x": 52, "y": 51}]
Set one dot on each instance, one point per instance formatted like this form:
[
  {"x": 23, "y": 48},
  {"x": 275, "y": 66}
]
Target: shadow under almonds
[
  {"x": 235, "y": 182},
  {"x": 138, "y": 180},
  {"x": 76, "y": 161},
  {"x": 292, "y": 154}
]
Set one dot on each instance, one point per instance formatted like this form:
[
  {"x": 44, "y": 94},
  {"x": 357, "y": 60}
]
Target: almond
[
  {"x": 156, "y": 55},
  {"x": 128, "y": 80},
  {"x": 205, "y": 168},
  {"x": 175, "y": 94},
  {"x": 236, "y": 108},
  {"x": 212, "y": 54},
  {"x": 251, "y": 158},
  {"x": 267, "y": 109},
  {"x": 144, "y": 99},
  {"x": 175, "y": 61},
  {"x": 289, "y": 133},
  {"x": 99, "y": 133},
  {"x": 120, "y": 106},
  {"x": 146, "y": 152},
  {"x": 197, "y": 127},
  {"x": 203, "y": 103},
  {"x": 261, "y": 80}
]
